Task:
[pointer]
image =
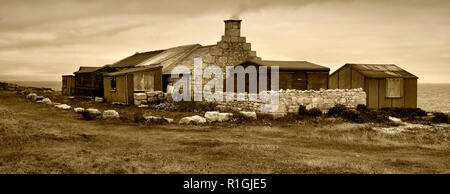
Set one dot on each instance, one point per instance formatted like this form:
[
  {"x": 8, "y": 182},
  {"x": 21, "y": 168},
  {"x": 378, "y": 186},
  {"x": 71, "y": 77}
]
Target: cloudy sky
[{"x": 41, "y": 40}]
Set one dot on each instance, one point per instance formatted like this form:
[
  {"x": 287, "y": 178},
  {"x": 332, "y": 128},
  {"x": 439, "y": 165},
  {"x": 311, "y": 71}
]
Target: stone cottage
[{"x": 231, "y": 50}]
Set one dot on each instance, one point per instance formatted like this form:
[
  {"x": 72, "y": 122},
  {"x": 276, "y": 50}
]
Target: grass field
[{"x": 38, "y": 138}]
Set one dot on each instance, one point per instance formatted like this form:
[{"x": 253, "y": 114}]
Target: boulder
[
  {"x": 99, "y": 99},
  {"x": 32, "y": 96},
  {"x": 169, "y": 120},
  {"x": 193, "y": 120},
  {"x": 214, "y": 116},
  {"x": 251, "y": 115},
  {"x": 63, "y": 106},
  {"x": 78, "y": 110},
  {"x": 47, "y": 101},
  {"x": 395, "y": 119},
  {"x": 93, "y": 111},
  {"x": 110, "y": 114}
]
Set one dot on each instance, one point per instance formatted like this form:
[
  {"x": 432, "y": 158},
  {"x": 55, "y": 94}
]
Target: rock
[
  {"x": 214, "y": 116},
  {"x": 143, "y": 106},
  {"x": 32, "y": 96},
  {"x": 395, "y": 119},
  {"x": 193, "y": 120},
  {"x": 63, "y": 106},
  {"x": 47, "y": 101},
  {"x": 78, "y": 110},
  {"x": 251, "y": 115},
  {"x": 110, "y": 114},
  {"x": 118, "y": 103},
  {"x": 169, "y": 120},
  {"x": 93, "y": 111},
  {"x": 99, "y": 99}
]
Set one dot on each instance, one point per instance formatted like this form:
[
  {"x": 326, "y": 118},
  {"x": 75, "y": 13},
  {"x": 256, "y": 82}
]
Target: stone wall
[
  {"x": 290, "y": 100},
  {"x": 149, "y": 97}
]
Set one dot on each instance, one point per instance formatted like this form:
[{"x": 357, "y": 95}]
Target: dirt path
[{"x": 36, "y": 138}]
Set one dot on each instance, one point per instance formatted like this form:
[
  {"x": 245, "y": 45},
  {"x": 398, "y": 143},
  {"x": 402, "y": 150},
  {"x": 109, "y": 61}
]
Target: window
[
  {"x": 394, "y": 87},
  {"x": 144, "y": 81},
  {"x": 113, "y": 83}
]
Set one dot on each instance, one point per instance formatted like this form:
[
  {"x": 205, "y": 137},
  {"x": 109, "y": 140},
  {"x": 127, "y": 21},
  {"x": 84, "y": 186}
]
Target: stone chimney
[{"x": 232, "y": 28}]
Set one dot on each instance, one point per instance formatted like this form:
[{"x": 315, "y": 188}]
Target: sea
[{"x": 430, "y": 97}]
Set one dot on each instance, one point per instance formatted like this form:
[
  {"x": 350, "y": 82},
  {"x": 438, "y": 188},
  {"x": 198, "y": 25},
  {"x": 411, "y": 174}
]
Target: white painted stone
[
  {"x": 169, "y": 120},
  {"x": 251, "y": 115},
  {"x": 47, "y": 101},
  {"x": 193, "y": 120},
  {"x": 32, "y": 96},
  {"x": 63, "y": 106},
  {"x": 78, "y": 110},
  {"x": 110, "y": 114},
  {"x": 99, "y": 99},
  {"x": 93, "y": 111},
  {"x": 395, "y": 119},
  {"x": 214, "y": 116}
]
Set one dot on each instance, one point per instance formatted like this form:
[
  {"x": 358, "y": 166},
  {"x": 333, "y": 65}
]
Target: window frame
[{"x": 400, "y": 87}]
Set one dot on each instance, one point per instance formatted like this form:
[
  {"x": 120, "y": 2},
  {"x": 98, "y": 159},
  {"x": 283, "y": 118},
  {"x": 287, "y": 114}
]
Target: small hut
[
  {"x": 386, "y": 85},
  {"x": 89, "y": 80},
  {"x": 68, "y": 85},
  {"x": 120, "y": 86}
]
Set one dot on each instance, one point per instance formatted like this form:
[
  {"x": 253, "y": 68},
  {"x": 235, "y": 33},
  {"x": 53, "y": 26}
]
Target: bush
[
  {"x": 337, "y": 110},
  {"x": 138, "y": 117},
  {"x": 362, "y": 108},
  {"x": 439, "y": 117},
  {"x": 353, "y": 116},
  {"x": 410, "y": 113},
  {"x": 314, "y": 112},
  {"x": 193, "y": 106},
  {"x": 302, "y": 110}
]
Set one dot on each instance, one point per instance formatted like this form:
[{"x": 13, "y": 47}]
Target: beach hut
[
  {"x": 386, "y": 85},
  {"x": 120, "y": 86},
  {"x": 68, "y": 85}
]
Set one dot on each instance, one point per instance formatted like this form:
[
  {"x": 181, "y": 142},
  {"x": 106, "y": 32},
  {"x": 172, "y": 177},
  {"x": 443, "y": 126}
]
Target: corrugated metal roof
[
  {"x": 131, "y": 70},
  {"x": 88, "y": 69},
  {"x": 291, "y": 65},
  {"x": 136, "y": 59},
  {"x": 381, "y": 70}
]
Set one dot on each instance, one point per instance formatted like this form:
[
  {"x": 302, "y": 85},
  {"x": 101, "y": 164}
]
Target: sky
[{"x": 42, "y": 40}]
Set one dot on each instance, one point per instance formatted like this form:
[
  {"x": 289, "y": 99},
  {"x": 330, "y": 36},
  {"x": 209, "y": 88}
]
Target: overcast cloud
[{"x": 41, "y": 40}]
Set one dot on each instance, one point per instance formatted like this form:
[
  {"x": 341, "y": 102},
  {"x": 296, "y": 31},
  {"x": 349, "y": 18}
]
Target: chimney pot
[{"x": 232, "y": 28}]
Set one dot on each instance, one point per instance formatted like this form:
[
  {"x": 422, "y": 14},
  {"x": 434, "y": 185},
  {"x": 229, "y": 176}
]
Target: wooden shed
[
  {"x": 120, "y": 86},
  {"x": 386, "y": 85},
  {"x": 300, "y": 75},
  {"x": 68, "y": 85},
  {"x": 89, "y": 80}
]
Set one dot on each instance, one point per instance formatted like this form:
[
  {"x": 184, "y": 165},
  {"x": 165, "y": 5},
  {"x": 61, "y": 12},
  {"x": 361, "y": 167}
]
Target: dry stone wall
[{"x": 290, "y": 100}]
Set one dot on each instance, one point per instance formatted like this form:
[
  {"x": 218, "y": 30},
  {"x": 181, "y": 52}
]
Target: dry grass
[{"x": 36, "y": 138}]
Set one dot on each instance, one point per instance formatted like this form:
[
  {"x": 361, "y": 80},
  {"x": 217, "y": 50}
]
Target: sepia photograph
[{"x": 220, "y": 87}]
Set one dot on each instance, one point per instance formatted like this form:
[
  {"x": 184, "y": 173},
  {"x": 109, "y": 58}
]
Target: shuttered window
[
  {"x": 394, "y": 87},
  {"x": 144, "y": 81}
]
